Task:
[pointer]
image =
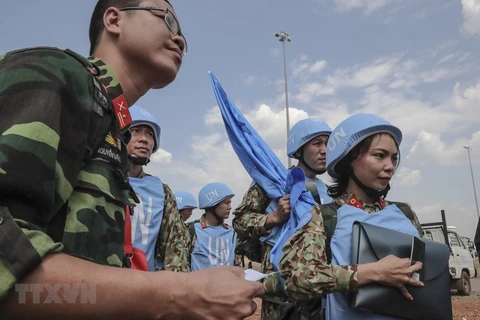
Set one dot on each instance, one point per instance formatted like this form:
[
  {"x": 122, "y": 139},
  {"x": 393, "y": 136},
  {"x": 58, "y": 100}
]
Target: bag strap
[
  {"x": 405, "y": 208},
  {"x": 312, "y": 187},
  {"x": 329, "y": 215},
  {"x": 128, "y": 248}
]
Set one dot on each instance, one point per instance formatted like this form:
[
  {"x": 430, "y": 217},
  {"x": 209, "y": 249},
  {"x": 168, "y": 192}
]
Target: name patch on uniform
[{"x": 110, "y": 154}]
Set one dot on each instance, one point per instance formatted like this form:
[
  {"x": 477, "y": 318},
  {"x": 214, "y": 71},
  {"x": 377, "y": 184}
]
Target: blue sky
[{"x": 413, "y": 62}]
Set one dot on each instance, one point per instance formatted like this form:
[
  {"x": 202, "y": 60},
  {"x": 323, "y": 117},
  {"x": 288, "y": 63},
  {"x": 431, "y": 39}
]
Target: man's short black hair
[{"x": 96, "y": 22}]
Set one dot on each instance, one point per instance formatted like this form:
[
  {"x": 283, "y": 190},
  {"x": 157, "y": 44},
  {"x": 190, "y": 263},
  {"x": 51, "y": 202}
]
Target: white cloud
[
  {"x": 411, "y": 115},
  {"x": 389, "y": 89},
  {"x": 430, "y": 149},
  {"x": 372, "y": 74},
  {"x": 456, "y": 214},
  {"x": 161, "y": 156},
  {"x": 464, "y": 57},
  {"x": 304, "y": 68},
  {"x": 362, "y": 75},
  {"x": 429, "y": 213},
  {"x": 312, "y": 90},
  {"x": 408, "y": 177},
  {"x": 213, "y": 116},
  {"x": 400, "y": 83},
  {"x": 438, "y": 74},
  {"x": 249, "y": 80},
  {"x": 468, "y": 100},
  {"x": 368, "y": 6},
  {"x": 447, "y": 58},
  {"x": 318, "y": 66},
  {"x": 471, "y": 15}
]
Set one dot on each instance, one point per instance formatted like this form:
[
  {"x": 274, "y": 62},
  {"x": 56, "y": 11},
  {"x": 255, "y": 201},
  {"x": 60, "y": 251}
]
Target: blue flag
[{"x": 266, "y": 169}]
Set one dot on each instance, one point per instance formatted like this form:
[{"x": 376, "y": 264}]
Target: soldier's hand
[
  {"x": 219, "y": 293},
  {"x": 283, "y": 209},
  {"x": 397, "y": 272}
]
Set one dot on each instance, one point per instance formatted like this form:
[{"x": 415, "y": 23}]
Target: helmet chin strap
[
  {"x": 219, "y": 220},
  {"x": 302, "y": 161},
  {"x": 373, "y": 193},
  {"x": 138, "y": 161}
]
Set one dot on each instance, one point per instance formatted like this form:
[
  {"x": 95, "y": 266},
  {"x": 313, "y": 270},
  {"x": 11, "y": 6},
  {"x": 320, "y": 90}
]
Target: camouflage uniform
[
  {"x": 173, "y": 243},
  {"x": 54, "y": 198},
  {"x": 251, "y": 217},
  {"x": 304, "y": 254}
]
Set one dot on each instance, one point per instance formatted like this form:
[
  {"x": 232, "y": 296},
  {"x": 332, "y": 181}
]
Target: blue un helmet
[
  {"x": 351, "y": 132},
  {"x": 212, "y": 194},
  {"x": 185, "y": 200},
  {"x": 304, "y": 131},
  {"x": 141, "y": 116}
]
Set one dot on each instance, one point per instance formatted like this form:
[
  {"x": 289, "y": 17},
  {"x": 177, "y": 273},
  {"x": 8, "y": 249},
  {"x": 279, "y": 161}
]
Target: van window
[
  {"x": 428, "y": 235},
  {"x": 454, "y": 241}
]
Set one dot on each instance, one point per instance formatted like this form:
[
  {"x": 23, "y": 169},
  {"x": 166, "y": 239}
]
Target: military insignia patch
[
  {"x": 113, "y": 141},
  {"x": 120, "y": 106}
]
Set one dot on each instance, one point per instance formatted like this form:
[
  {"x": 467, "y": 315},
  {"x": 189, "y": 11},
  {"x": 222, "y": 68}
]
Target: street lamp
[
  {"x": 282, "y": 36},
  {"x": 473, "y": 180}
]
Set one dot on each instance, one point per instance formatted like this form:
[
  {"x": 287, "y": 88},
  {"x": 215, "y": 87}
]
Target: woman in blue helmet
[
  {"x": 214, "y": 240},
  {"x": 186, "y": 203},
  {"x": 157, "y": 228},
  {"x": 362, "y": 156}
]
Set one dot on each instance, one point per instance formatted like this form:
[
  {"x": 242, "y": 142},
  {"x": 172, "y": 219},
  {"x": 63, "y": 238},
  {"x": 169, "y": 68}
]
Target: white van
[{"x": 461, "y": 263}]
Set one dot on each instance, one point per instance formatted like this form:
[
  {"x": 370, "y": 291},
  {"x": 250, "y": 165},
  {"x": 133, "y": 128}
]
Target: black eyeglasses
[{"x": 170, "y": 21}]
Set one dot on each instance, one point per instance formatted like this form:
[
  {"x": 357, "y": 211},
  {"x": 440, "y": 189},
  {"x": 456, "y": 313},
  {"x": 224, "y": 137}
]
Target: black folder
[{"x": 433, "y": 301}]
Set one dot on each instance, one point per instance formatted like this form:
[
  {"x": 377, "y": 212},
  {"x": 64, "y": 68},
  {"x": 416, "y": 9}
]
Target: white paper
[{"x": 252, "y": 275}]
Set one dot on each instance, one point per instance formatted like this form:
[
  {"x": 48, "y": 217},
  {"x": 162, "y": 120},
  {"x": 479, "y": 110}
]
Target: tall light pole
[
  {"x": 473, "y": 179},
  {"x": 282, "y": 36}
]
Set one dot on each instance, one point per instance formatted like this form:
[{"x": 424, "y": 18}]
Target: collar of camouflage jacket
[
  {"x": 204, "y": 223},
  {"x": 108, "y": 79},
  {"x": 350, "y": 199}
]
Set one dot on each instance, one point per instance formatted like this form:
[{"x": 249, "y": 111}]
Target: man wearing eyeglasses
[{"x": 64, "y": 188}]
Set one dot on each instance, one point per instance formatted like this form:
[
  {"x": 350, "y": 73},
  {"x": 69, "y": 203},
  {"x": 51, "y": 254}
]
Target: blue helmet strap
[
  {"x": 138, "y": 161},
  {"x": 375, "y": 194}
]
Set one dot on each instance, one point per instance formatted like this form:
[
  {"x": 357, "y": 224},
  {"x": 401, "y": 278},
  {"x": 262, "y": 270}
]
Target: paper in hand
[{"x": 252, "y": 275}]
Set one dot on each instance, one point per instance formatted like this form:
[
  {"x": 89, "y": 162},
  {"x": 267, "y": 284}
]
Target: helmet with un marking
[
  {"x": 212, "y": 194},
  {"x": 304, "y": 131},
  {"x": 350, "y": 132}
]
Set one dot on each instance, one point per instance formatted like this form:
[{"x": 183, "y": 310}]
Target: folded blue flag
[{"x": 267, "y": 170}]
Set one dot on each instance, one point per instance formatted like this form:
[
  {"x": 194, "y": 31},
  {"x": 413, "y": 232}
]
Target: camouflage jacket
[
  {"x": 251, "y": 217},
  {"x": 307, "y": 273},
  {"x": 46, "y": 99},
  {"x": 173, "y": 239}
]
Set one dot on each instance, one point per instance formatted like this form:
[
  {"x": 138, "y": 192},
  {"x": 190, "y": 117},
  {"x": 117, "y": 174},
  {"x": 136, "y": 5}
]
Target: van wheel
[{"x": 463, "y": 285}]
